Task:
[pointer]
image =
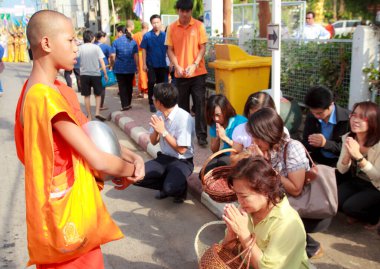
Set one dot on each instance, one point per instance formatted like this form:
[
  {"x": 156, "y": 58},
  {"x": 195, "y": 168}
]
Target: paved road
[{"x": 158, "y": 234}]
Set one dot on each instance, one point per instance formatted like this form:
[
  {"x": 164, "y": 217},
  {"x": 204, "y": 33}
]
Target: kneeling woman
[
  {"x": 359, "y": 162},
  {"x": 265, "y": 219}
]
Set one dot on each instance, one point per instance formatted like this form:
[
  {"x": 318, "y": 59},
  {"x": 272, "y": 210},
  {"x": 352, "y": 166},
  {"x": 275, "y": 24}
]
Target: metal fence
[{"x": 304, "y": 63}]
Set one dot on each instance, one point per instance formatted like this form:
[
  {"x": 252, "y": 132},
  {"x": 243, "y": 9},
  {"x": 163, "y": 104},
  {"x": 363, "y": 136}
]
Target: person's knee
[{"x": 174, "y": 189}]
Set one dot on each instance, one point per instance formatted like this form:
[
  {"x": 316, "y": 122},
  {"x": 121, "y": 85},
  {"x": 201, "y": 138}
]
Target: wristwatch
[
  {"x": 164, "y": 134},
  {"x": 359, "y": 160},
  {"x": 196, "y": 65}
]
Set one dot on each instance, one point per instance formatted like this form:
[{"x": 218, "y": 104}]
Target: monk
[
  {"x": 65, "y": 215},
  {"x": 142, "y": 75},
  {"x": 11, "y": 47},
  {"x": 23, "y": 58},
  {"x": 17, "y": 47}
]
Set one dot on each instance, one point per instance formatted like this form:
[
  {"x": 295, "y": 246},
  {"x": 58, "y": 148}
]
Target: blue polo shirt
[
  {"x": 107, "y": 50},
  {"x": 155, "y": 49},
  {"x": 327, "y": 129},
  {"x": 125, "y": 50}
]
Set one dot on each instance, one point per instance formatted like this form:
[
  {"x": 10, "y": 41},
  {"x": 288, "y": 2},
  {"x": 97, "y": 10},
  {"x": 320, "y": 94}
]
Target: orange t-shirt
[{"x": 186, "y": 41}]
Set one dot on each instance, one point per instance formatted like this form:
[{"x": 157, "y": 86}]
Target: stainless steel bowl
[{"x": 104, "y": 138}]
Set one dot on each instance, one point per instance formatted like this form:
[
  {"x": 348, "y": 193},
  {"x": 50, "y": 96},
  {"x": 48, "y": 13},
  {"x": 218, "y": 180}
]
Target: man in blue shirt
[
  {"x": 107, "y": 50},
  {"x": 173, "y": 128},
  {"x": 154, "y": 56},
  {"x": 324, "y": 126}
]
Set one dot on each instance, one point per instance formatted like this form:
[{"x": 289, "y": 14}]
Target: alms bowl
[{"x": 103, "y": 137}]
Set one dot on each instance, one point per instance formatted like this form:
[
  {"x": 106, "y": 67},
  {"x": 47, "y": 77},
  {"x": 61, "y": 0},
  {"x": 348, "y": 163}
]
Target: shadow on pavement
[{"x": 119, "y": 262}]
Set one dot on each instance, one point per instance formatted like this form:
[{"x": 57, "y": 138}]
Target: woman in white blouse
[{"x": 359, "y": 161}]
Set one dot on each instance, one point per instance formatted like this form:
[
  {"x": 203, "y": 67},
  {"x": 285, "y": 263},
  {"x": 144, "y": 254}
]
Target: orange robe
[
  {"x": 66, "y": 218},
  {"x": 11, "y": 49},
  {"x": 17, "y": 50},
  {"x": 143, "y": 76}
]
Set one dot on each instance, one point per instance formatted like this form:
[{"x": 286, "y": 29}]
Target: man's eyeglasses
[
  {"x": 309, "y": 18},
  {"x": 358, "y": 117}
]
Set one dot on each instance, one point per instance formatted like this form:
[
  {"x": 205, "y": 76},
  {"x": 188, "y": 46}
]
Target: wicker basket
[
  {"x": 219, "y": 257},
  {"x": 215, "y": 181}
]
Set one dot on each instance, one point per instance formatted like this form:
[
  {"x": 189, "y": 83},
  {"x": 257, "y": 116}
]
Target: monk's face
[{"x": 63, "y": 46}]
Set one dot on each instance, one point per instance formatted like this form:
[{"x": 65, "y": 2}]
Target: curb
[{"x": 141, "y": 137}]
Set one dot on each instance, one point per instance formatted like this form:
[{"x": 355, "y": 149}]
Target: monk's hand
[
  {"x": 122, "y": 182},
  {"x": 139, "y": 173}
]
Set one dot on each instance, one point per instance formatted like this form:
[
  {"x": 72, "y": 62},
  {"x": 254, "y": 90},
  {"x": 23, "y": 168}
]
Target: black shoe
[
  {"x": 160, "y": 195},
  {"x": 180, "y": 199},
  {"x": 202, "y": 142},
  {"x": 152, "y": 108}
]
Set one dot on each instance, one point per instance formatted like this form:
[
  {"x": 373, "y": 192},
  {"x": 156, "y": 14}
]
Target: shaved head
[
  {"x": 44, "y": 23},
  {"x": 130, "y": 24},
  {"x": 144, "y": 25}
]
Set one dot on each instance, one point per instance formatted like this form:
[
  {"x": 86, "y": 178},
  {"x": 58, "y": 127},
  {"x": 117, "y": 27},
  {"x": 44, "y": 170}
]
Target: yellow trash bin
[{"x": 238, "y": 74}]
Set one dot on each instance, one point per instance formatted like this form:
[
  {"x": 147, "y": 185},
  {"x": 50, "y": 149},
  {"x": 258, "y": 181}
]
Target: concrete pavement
[
  {"x": 344, "y": 245},
  {"x": 158, "y": 234}
]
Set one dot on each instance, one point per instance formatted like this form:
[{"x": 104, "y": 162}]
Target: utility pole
[{"x": 227, "y": 18}]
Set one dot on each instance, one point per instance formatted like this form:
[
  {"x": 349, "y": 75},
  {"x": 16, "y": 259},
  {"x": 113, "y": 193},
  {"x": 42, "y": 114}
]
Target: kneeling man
[{"x": 173, "y": 128}]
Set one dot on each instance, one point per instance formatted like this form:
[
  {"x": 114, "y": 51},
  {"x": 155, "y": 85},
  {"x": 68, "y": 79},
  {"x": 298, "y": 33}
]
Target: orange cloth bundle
[{"x": 66, "y": 217}]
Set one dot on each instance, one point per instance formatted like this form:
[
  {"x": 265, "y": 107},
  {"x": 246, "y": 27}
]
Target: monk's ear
[{"x": 45, "y": 44}]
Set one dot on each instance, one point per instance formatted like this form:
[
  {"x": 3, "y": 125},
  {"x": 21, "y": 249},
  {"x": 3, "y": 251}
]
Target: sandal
[
  {"x": 100, "y": 117},
  {"x": 103, "y": 108}
]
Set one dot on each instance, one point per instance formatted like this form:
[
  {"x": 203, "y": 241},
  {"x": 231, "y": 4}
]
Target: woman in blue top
[
  {"x": 125, "y": 50},
  {"x": 222, "y": 119}
]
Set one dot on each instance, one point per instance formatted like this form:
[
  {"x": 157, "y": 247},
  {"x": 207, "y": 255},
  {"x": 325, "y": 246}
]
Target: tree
[{"x": 124, "y": 8}]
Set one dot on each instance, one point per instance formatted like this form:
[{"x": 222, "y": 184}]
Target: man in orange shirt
[
  {"x": 142, "y": 75},
  {"x": 186, "y": 40}
]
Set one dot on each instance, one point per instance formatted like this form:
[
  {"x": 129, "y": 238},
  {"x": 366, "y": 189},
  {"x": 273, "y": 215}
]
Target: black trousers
[
  {"x": 359, "y": 199},
  {"x": 314, "y": 226},
  {"x": 125, "y": 83},
  {"x": 196, "y": 87},
  {"x": 167, "y": 174},
  {"x": 155, "y": 75}
]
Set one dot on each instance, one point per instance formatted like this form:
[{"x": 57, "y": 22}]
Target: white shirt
[
  {"x": 242, "y": 137},
  {"x": 315, "y": 31},
  {"x": 180, "y": 125}
]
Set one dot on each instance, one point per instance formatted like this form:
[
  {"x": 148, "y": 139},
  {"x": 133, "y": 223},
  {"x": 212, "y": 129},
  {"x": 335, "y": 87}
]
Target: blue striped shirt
[{"x": 125, "y": 50}]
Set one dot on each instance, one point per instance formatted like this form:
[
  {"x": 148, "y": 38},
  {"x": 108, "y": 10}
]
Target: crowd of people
[
  {"x": 15, "y": 46},
  {"x": 267, "y": 167}
]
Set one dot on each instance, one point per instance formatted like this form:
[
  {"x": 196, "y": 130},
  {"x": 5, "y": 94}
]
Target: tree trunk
[
  {"x": 265, "y": 17},
  {"x": 335, "y": 7},
  {"x": 342, "y": 7},
  {"x": 227, "y": 5}
]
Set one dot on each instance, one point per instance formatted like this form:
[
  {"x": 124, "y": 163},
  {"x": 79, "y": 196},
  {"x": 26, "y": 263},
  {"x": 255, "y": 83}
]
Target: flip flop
[{"x": 100, "y": 117}]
